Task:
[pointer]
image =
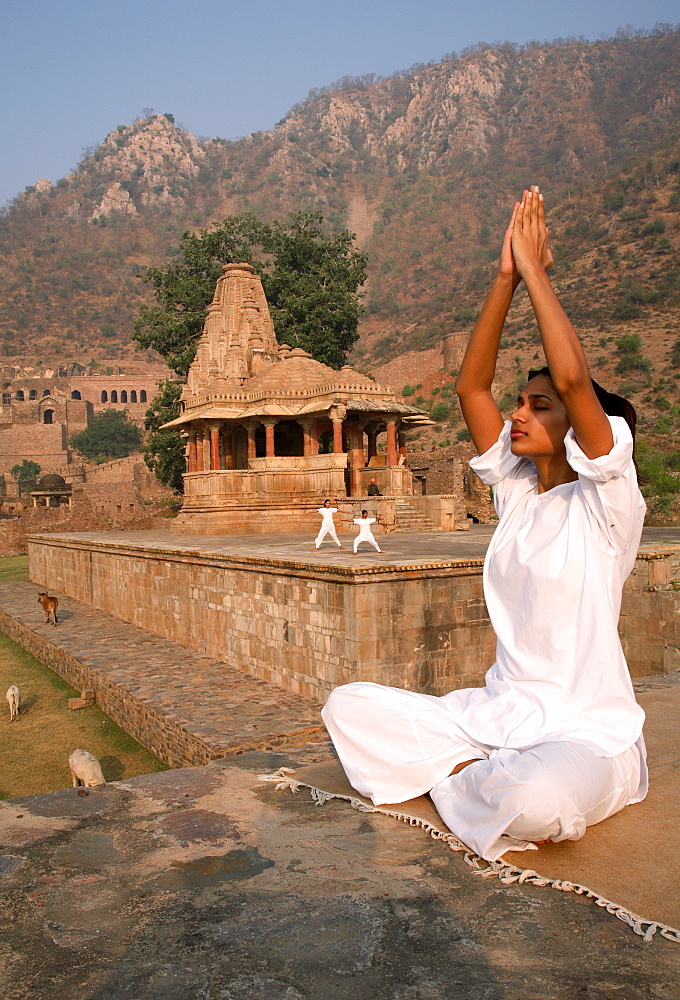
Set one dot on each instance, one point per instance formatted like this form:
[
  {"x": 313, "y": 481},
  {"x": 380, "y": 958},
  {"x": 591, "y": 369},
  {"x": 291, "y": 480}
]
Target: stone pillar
[
  {"x": 251, "y": 428},
  {"x": 337, "y": 415},
  {"x": 337, "y": 437},
  {"x": 355, "y": 457},
  {"x": 214, "y": 429},
  {"x": 193, "y": 458},
  {"x": 372, "y": 433},
  {"x": 401, "y": 436},
  {"x": 392, "y": 458},
  {"x": 203, "y": 450},
  {"x": 310, "y": 437},
  {"x": 227, "y": 450},
  {"x": 269, "y": 426}
]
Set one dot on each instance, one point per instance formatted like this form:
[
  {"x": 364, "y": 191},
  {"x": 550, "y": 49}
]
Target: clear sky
[{"x": 72, "y": 70}]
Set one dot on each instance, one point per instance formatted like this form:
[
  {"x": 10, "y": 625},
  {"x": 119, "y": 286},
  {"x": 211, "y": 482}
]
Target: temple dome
[{"x": 50, "y": 481}]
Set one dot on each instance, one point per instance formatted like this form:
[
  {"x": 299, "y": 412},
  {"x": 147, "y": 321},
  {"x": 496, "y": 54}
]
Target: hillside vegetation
[{"x": 423, "y": 166}]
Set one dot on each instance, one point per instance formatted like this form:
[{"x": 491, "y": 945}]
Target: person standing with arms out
[
  {"x": 327, "y": 524},
  {"x": 553, "y": 742},
  {"x": 365, "y": 533}
]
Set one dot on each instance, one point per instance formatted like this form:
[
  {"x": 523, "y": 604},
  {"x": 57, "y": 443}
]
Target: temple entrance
[
  {"x": 260, "y": 442},
  {"x": 239, "y": 445},
  {"x": 288, "y": 439}
]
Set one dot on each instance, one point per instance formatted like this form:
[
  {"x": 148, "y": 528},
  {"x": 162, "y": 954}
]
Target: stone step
[
  {"x": 185, "y": 708},
  {"x": 409, "y": 518}
]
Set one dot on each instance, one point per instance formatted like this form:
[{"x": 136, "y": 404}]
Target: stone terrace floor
[
  {"x": 399, "y": 548},
  {"x": 216, "y": 703}
]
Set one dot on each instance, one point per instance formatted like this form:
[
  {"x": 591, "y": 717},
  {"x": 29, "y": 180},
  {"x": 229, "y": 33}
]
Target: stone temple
[{"x": 271, "y": 432}]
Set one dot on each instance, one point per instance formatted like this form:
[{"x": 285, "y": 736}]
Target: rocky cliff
[{"x": 423, "y": 166}]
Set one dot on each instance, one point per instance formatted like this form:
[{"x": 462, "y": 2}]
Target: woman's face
[{"x": 540, "y": 422}]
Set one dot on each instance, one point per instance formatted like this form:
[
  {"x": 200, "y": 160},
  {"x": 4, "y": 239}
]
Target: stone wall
[
  {"x": 447, "y": 471},
  {"x": 422, "y": 626},
  {"x": 650, "y": 612},
  {"x": 302, "y": 627},
  {"x": 45, "y": 444}
]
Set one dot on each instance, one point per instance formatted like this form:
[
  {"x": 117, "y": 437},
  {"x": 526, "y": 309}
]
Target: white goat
[
  {"x": 13, "y": 697},
  {"x": 85, "y": 769}
]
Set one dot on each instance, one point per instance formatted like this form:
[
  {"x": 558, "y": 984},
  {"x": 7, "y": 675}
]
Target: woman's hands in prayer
[{"x": 529, "y": 235}]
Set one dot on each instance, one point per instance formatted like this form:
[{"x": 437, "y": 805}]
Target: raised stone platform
[
  {"x": 304, "y": 620},
  {"x": 413, "y": 616},
  {"x": 185, "y": 708}
]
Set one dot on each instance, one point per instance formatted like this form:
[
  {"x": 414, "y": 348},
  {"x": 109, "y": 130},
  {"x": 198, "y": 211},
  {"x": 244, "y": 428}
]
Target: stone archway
[{"x": 288, "y": 439}]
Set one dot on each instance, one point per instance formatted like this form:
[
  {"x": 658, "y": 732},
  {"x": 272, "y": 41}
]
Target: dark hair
[
  {"x": 364, "y": 512},
  {"x": 326, "y": 501},
  {"x": 612, "y": 404}
]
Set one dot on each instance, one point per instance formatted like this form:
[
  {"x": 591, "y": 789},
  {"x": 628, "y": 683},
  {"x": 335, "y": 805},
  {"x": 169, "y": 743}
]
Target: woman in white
[
  {"x": 327, "y": 524},
  {"x": 365, "y": 533},
  {"x": 553, "y": 742}
]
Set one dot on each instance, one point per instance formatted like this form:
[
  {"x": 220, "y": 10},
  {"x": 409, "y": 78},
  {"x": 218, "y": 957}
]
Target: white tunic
[
  {"x": 553, "y": 578},
  {"x": 327, "y": 516},
  {"x": 556, "y": 726},
  {"x": 365, "y": 533}
]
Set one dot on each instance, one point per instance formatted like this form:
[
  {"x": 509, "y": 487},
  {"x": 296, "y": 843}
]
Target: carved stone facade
[{"x": 271, "y": 432}]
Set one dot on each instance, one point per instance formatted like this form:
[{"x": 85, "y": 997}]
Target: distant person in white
[
  {"x": 553, "y": 742},
  {"x": 327, "y": 524},
  {"x": 365, "y": 533}
]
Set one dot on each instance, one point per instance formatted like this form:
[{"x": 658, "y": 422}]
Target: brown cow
[{"x": 49, "y": 606}]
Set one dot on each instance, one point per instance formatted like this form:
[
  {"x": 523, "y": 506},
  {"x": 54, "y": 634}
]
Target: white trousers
[
  {"x": 395, "y": 745},
  {"x": 327, "y": 529},
  {"x": 366, "y": 538}
]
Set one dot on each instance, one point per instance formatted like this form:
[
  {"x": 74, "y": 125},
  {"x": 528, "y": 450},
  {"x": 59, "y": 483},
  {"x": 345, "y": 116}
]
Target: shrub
[
  {"x": 463, "y": 435},
  {"x": 661, "y": 487},
  {"x": 439, "y": 412}
]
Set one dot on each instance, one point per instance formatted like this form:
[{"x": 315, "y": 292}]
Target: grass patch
[
  {"x": 13, "y": 568},
  {"x": 34, "y": 750}
]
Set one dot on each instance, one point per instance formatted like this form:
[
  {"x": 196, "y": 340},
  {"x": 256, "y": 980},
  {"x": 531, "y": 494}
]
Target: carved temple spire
[{"x": 238, "y": 338}]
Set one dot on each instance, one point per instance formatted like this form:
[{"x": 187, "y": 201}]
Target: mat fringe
[{"x": 507, "y": 874}]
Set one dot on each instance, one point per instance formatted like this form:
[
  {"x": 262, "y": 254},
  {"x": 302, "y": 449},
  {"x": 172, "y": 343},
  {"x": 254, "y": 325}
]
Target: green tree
[
  {"x": 26, "y": 473},
  {"x": 164, "y": 449},
  {"x": 110, "y": 435},
  {"x": 311, "y": 280}
]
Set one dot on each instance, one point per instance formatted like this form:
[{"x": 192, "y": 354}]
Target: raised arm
[
  {"x": 563, "y": 352},
  {"x": 473, "y": 386}
]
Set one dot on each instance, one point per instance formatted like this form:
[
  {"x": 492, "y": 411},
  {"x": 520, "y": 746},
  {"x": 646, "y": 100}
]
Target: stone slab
[{"x": 205, "y": 883}]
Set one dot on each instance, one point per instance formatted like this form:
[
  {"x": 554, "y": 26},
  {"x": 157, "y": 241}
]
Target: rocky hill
[{"x": 423, "y": 167}]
